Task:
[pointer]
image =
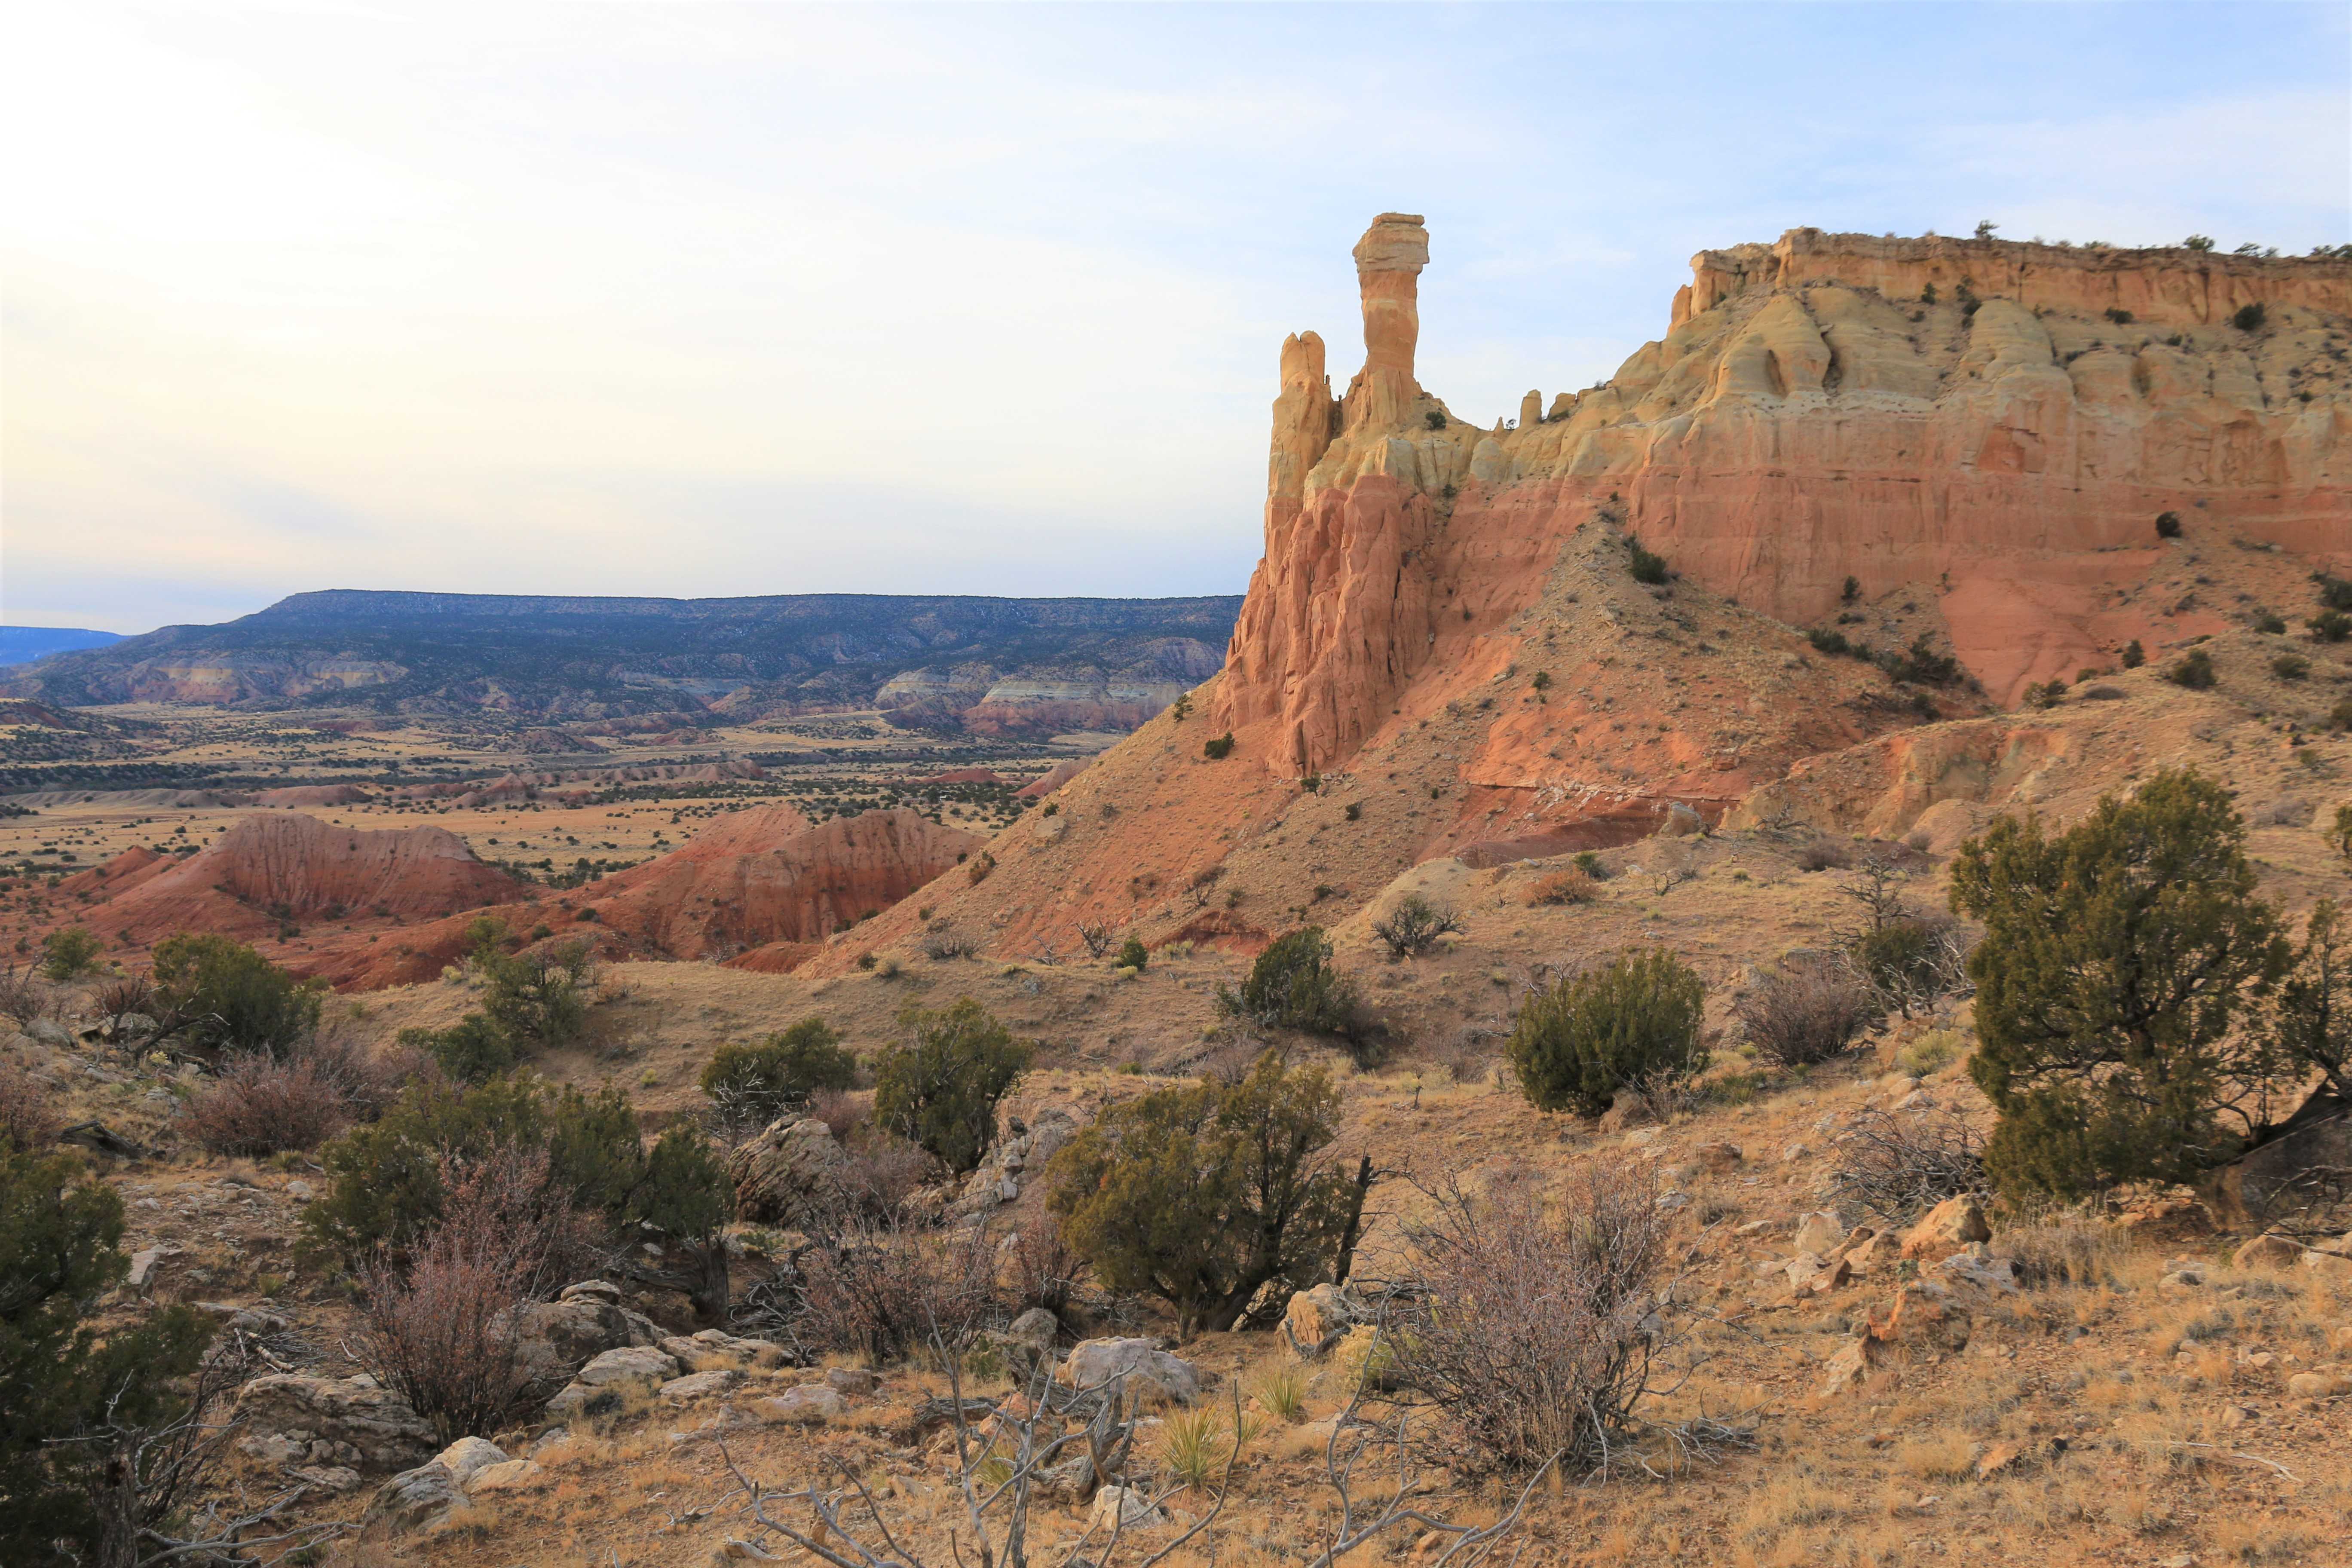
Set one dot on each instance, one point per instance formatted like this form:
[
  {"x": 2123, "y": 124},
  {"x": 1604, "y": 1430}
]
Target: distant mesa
[
  {"x": 23, "y": 644},
  {"x": 576, "y": 674}
]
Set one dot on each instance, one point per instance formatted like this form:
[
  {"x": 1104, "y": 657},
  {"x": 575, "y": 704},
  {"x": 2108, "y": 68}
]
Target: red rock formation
[
  {"x": 1444, "y": 635},
  {"x": 759, "y": 884},
  {"x": 269, "y": 867},
  {"x": 2003, "y": 449},
  {"x": 1052, "y": 779}
]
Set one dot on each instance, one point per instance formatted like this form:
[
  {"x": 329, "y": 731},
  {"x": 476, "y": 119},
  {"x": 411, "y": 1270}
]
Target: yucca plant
[{"x": 1281, "y": 1393}]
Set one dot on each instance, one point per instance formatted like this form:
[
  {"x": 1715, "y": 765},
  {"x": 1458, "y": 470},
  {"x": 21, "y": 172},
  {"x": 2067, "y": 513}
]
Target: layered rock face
[{"x": 1993, "y": 425}]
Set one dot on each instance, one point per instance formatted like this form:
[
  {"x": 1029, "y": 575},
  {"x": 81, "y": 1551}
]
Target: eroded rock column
[{"x": 1389, "y": 261}]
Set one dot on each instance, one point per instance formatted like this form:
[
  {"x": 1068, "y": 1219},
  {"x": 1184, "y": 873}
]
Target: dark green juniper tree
[{"x": 2111, "y": 990}]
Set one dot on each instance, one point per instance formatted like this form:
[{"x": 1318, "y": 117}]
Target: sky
[{"x": 708, "y": 299}]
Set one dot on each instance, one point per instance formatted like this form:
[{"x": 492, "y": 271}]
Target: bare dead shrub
[
  {"x": 1039, "y": 1269},
  {"x": 1099, "y": 938},
  {"x": 1824, "y": 855},
  {"x": 881, "y": 1173},
  {"x": 1534, "y": 1335},
  {"x": 1896, "y": 1165},
  {"x": 369, "y": 1081},
  {"x": 127, "y": 994},
  {"x": 29, "y": 1120},
  {"x": 441, "y": 1322},
  {"x": 1807, "y": 1010},
  {"x": 1465, "y": 1058},
  {"x": 1573, "y": 885},
  {"x": 260, "y": 1106},
  {"x": 943, "y": 941},
  {"x": 883, "y": 1290},
  {"x": 23, "y": 997},
  {"x": 842, "y": 1111}
]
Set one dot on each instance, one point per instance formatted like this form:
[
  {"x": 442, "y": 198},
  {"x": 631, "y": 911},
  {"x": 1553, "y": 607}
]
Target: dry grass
[{"x": 260, "y": 1106}]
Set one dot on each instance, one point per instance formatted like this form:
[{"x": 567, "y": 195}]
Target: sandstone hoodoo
[{"x": 1860, "y": 486}]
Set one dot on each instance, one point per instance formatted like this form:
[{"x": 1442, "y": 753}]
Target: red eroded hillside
[
  {"x": 761, "y": 885},
  {"x": 272, "y": 866}
]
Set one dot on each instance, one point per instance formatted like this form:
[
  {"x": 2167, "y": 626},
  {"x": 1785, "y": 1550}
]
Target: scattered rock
[
  {"x": 350, "y": 1422},
  {"x": 1924, "y": 1316},
  {"x": 1718, "y": 1158},
  {"x": 2267, "y": 1252},
  {"x": 851, "y": 1382},
  {"x": 467, "y": 1457},
  {"x": 510, "y": 1475},
  {"x": 2327, "y": 1264},
  {"x": 1125, "y": 1508},
  {"x": 336, "y": 1481},
  {"x": 1819, "y": 1233},
  {"x": 811, "y": 1405},
  {"x": 414, "y": 1498},
  {"x": 1098, "y": 1363},
  {"x": 556, "y": 1338},
  {"x": 1946, "y": 1228},
  {"x": 698, "y": 1385},
  {"x": 1320, "y": 1317},
  {"x": 2317, "y": 1385},
  {"x": 595, "y": 1289},
  {"x": 1849, "y": 1368},
  {"x": 789, "y": 1172},
  {"x": 1976, "y": 1265}
]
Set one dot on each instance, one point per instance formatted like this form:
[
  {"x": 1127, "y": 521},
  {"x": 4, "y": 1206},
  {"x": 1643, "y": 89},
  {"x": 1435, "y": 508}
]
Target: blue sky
[{"x": 737, "y": 300}]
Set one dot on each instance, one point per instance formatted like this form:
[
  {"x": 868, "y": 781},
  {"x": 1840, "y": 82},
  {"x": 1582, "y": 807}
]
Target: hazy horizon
[{"x": 707, "y": 301}]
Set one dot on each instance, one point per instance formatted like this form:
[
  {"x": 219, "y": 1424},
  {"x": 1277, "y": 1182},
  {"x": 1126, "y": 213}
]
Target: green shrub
[
  {"x": 69, "y": 953},
  {"x": 219, "y": 994},
  {"x": 1220, "y": 748},
  {"x": 2250, "y": 318},
  {"x": 2193, "y": 670},
  {"x": 1851, "y": 592},
  {"x": 2269, "y": 625},
  {"x": 68, "y": 1392},
  {"x": 2134, "y": 655},
  {"x": 1292, "y": 985},
  {"x": 2330, "y": 625},
  {"x": 939, "y": 1091},
  {"x": 383, "y": 1179},
  {"x": 2119, "y": 316},
  {"x": 776, "y": 1076},
  {"x": 2335, "y": 592},
  {"x": 538, "y": 999},
  {"x": 1633, "y": 1020},
  {"x": 1645, "y": 566},
  {"x": 469, "y": 1050},
  {"x": 2339, "y": 835},
  {"x": 2290, "y": 667},
  {"x": 2340, "y": 716},
  {"x": 2098, "y": 1081},
  {"x": 1203, "y": 1195},
  {"x": 1133, "y": 955},
  {"x": 2168, "y": 525}
]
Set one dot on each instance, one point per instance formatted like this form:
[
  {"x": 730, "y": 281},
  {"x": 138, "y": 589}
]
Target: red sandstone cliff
[
  {"x": 1960, "y": 418},
  {"x": 1443, "y": 653}
]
